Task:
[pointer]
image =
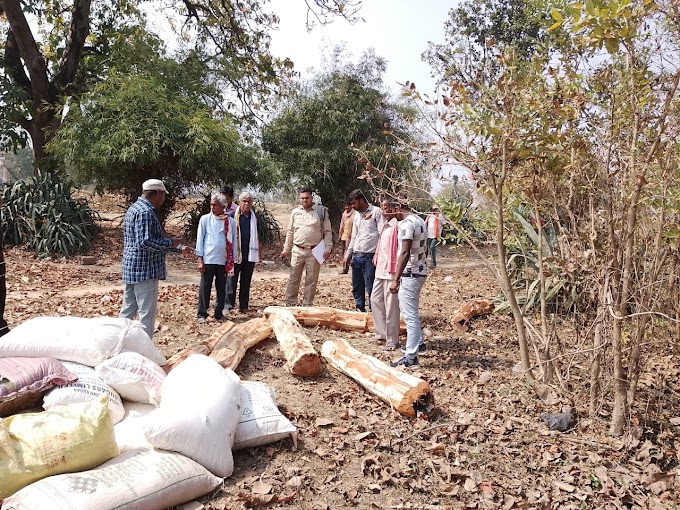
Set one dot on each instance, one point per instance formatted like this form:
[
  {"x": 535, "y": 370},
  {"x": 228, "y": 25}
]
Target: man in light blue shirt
[{"x": 214, "y": 250}]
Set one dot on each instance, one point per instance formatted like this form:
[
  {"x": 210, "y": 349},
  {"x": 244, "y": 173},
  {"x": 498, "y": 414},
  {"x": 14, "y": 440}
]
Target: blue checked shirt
[{"x": 144, "y": 246}]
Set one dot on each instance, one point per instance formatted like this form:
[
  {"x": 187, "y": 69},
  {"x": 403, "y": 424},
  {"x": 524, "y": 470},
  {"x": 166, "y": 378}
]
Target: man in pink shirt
[{"x": 385, "y": 304}]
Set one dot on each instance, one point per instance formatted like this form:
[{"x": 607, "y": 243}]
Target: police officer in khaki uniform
[{"x": 308, "y": 226}]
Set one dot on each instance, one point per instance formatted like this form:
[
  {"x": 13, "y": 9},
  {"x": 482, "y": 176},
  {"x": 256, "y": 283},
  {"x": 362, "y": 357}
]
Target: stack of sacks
[
  {"x": 52, "y": 358},
  {"x": 84, "y": 341},
  {"x": 82, "y": 344},
  {"x": 198, "y": 421}
]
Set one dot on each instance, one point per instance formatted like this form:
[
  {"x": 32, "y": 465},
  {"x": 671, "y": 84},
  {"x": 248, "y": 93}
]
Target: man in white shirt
[
  {"x": 215, "y": 243},
  {"x": 362, "y": 246},
  {"x": 409, "y": 279}
]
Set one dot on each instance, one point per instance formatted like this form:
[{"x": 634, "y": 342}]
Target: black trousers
[
  {"x": 212, "y": 272},
  {"x": 244, "y": 272}
]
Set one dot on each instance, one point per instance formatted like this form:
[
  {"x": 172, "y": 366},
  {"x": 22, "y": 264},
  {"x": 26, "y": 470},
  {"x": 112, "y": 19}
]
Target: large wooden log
[
  {"x": 332, "y": 318},
  {"x": 303, "y": 360},
  {"x": 404, "y": 392},
  {"x": 471, "y": 309},
  {"x": 231, "y": 348},
  {"x": 204, "y": 347}
]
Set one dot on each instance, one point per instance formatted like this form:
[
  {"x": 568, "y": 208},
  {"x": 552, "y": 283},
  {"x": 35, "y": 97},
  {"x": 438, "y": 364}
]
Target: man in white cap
[{"x": 144, "y": 249}]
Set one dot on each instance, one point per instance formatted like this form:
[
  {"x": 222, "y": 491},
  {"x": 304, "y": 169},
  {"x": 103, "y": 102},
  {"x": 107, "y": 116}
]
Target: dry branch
[
  {"x": 303, "y": 360},
  {"x": 404, "y": 392},
  {"x": 204, "y": 347},
  {"x": 233, "y": 345}
]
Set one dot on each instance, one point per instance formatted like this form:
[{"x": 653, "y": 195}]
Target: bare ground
[{"x": 485, "y": 446}]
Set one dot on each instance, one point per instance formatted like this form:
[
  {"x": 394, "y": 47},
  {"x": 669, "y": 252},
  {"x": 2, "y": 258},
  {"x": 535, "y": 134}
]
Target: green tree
[
  {"x": 54, "y": 50},
  {"x": 475, "y": 31},
  {"x": 132, "y": 127},
  {"x": 318, "y": 135}
]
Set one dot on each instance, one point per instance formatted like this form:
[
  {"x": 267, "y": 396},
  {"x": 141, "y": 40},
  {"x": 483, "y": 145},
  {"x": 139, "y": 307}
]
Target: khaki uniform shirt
[{"x": 304, "y": 229}]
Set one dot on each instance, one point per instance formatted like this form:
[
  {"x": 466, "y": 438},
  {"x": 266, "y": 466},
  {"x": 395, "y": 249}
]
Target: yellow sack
[{"x": 66, "y": 439}]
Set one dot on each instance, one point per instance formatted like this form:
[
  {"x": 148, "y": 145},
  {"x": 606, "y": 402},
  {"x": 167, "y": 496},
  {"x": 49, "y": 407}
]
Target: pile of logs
[{"x": 228, "y": 344}]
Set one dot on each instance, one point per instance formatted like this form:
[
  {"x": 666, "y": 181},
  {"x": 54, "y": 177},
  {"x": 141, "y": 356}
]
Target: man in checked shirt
[{"x": 144, "y": 249}]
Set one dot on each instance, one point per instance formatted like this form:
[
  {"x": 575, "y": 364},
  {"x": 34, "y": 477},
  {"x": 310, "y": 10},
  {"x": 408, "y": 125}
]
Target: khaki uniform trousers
[
  {"x": 301, "y": 259},
  {"x": 385, "y": 309}
]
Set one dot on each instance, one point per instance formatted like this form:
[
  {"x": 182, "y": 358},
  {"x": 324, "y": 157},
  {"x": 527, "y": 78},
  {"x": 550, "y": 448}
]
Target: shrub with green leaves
[{"x": 41, "y": 213}]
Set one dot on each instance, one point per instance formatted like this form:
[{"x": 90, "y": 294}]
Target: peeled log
[
  {"x": 204, "y": 347},
  {"x": 473, "y": 308},
  {"x": 404, "y": 392},
  {"x": 332, "y": 318},
  {"x": 303, "y": 360},
  {"x": 231, "y": 348}
]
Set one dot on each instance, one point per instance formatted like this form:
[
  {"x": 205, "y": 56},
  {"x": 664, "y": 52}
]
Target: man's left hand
[{"x": 187, "y": 251}]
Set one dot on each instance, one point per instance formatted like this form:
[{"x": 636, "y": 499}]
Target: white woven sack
[
  {"x": 138, "y": 479},
  {"x": 130, "y": 430},
  {"x": 77, "y": 339},
  {"x": 198, "y": 414},
  {"x": 260, "y": 422},
  {"x": 89, "y": 386},
  {"x": 133, "y": 376}
]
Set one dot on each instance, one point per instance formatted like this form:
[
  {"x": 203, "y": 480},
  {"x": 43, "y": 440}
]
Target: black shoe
[
  {"x": 406, "y": 362},
  {"x": 421, "y": 348},
  {"x": 361, "y": 309}
]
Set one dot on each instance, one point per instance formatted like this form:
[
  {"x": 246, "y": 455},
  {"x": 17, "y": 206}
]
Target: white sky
[{"x": 398, "y": 30}]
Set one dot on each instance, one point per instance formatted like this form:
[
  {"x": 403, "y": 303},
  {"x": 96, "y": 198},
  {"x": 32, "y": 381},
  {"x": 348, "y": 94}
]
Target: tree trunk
[
  {"x": 28, "y": 68},
  {"x": 303, "y": 360},
  {"x": 233, "y": 345},
  {"x": 331, "y": 318},
  {"x": 404, "y": 392},
  {"x": 504, "y": 277},
  {"x": 598, "y": 342},
  {"x": 205, "y": 347}
]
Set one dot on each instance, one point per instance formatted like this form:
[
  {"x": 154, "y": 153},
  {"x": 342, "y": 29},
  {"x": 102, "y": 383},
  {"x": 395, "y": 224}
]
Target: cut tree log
[
  {"x": 471, "y": 309},
  {"x": 331, "y": 318},
  {"x": 204, "y": 347},
  {"x": 404, "y": 392},
  {"x": 303, "y": 360},
  {"x": 233, "y": 345}
]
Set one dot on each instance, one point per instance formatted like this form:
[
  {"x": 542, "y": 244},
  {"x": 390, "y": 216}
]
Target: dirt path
[{"x": 182, "y": 276}]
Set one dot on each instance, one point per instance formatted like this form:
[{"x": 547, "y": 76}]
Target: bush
[{"x": 40, "y": 213}]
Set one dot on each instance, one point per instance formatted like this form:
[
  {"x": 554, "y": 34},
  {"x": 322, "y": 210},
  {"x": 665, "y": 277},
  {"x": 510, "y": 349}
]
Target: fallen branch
[
  {"x": 404, "y": 392},
  {"x": 204, "y": 347},
  {"x": 233, "y": 345}
]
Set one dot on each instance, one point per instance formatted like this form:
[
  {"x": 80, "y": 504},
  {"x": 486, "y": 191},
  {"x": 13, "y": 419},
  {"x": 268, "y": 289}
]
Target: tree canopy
[
  {"x": 150, "y": 118},
  {"x": 71, "y": 50},
  {"x": 323, "y": 130}
]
